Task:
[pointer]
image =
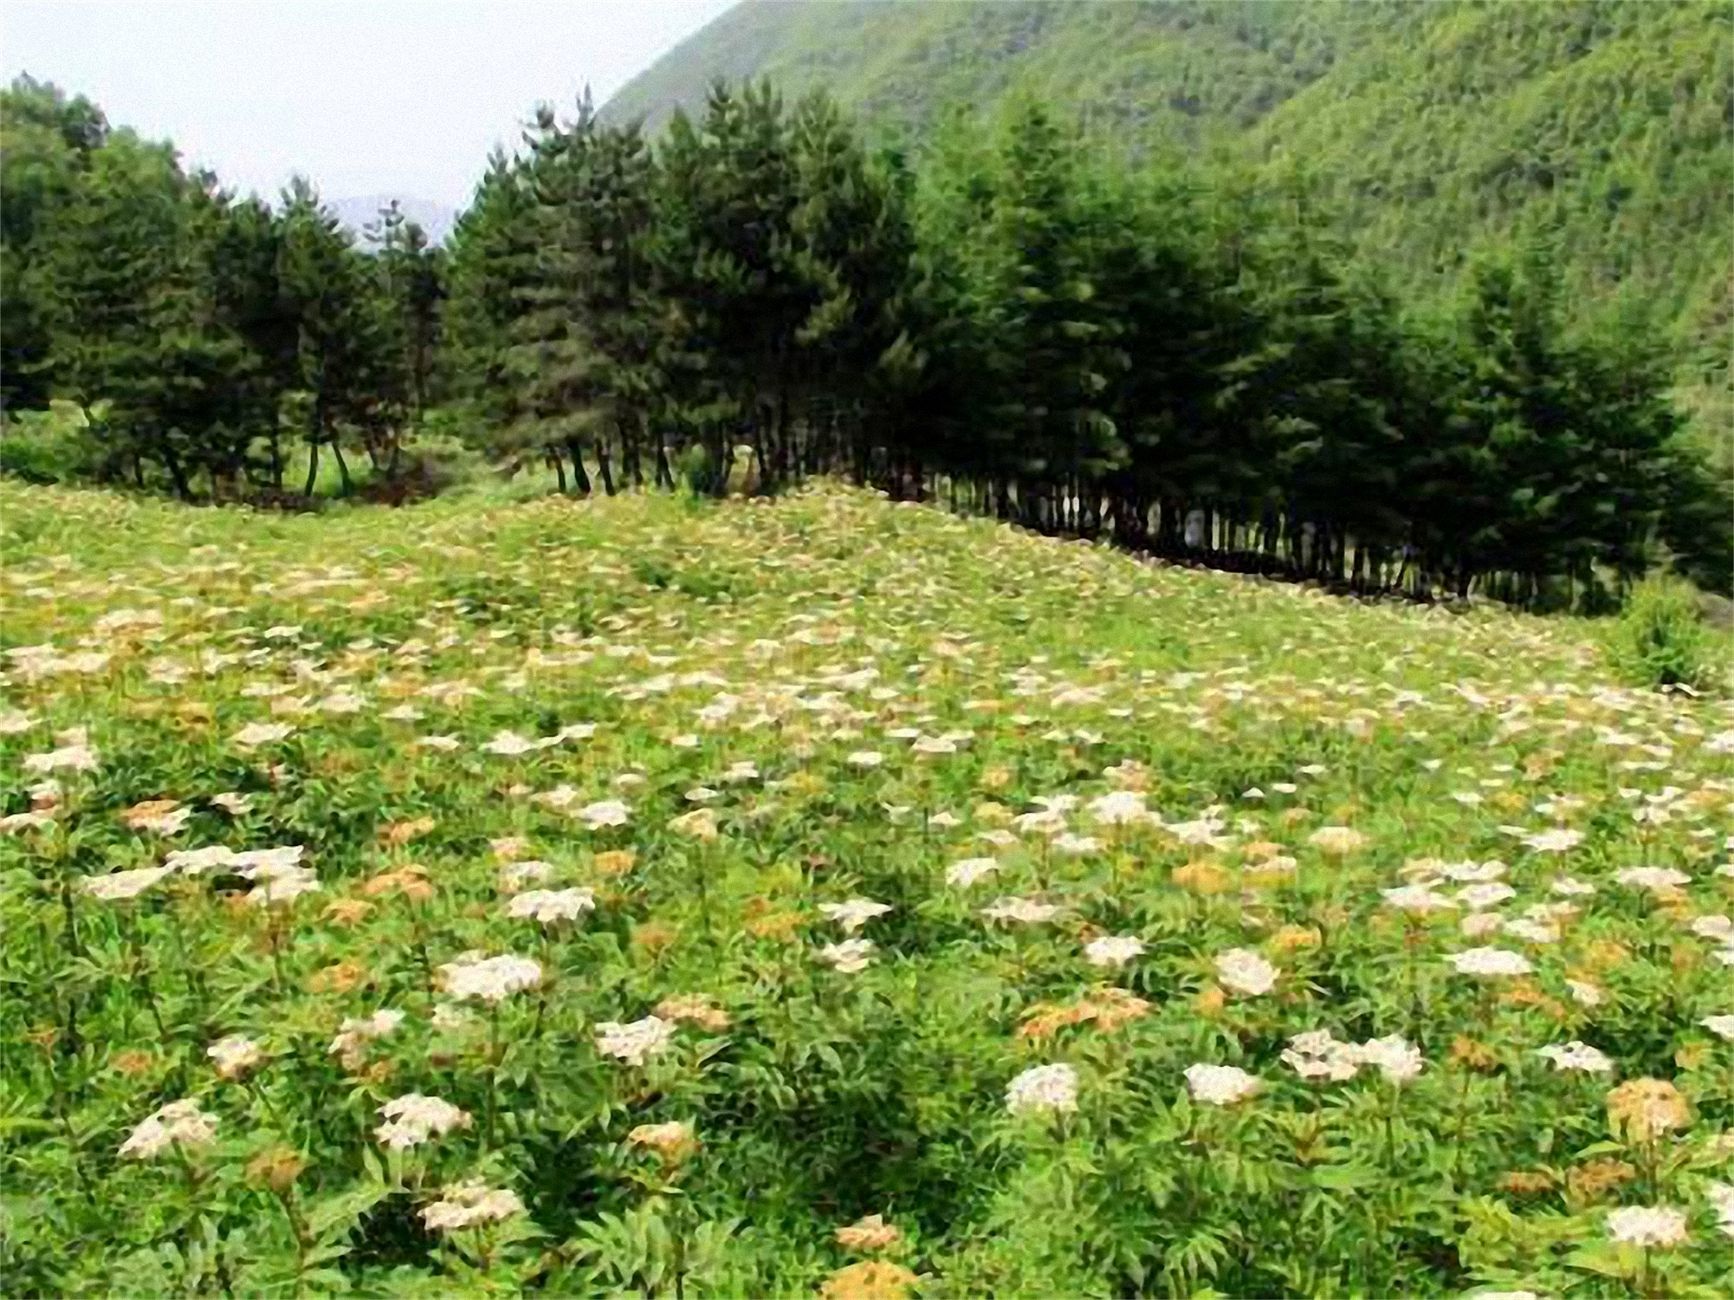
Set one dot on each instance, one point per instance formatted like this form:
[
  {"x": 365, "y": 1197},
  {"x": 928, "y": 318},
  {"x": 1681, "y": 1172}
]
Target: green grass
[{"x": 987, "y": 669}]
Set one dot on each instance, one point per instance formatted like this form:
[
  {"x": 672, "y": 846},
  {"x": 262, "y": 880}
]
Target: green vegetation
[
  {"x": 1662, "y": 638},
  {"x": 1431, "y": 133},
  {"x": 203, "y": 336},
  {"x": 1159, "y": 356},
  {"x": 1257, "y": 943}
]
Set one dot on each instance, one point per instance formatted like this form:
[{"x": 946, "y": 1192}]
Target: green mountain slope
[{"x": 1432, "y": 127}]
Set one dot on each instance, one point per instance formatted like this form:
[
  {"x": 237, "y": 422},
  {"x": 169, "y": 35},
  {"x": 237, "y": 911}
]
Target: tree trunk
[
  {"x": 183, "y": 489},
  {"x": 580, "y": 476},
  {"x": 602, "y": 466},
  {"x": 342, "y": 467},
  {"x": 629, "y": 453},
  {"x": 312, "y": 468}
]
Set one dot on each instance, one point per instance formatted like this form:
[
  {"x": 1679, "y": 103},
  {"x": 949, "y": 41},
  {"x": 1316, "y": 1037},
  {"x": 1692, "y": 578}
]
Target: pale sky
[{"x": 367, "y": 97}]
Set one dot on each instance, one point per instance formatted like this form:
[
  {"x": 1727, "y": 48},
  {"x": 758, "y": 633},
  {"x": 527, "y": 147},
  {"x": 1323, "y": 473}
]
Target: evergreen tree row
[
  {"x": 206, "y": 337},
  {"x": 1169, "y": 357}
]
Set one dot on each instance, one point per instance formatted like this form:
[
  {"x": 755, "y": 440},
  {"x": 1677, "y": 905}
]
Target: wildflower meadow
[{"x": 823, "y": 896}]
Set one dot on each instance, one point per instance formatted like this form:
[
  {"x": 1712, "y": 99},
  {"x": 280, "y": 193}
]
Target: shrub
[
  {"x": 52, "y": 446},
  {"x": 1662, "y": 639}
]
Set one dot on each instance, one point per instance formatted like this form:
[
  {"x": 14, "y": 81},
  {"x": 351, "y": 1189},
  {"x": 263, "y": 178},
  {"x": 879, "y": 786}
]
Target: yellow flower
[
  {"x": 400, "y": 833},
  {"x": 1642, "y": 1109},
  {"x": 276, "y": 1169},
  {"x": 614, "y": 862},
  {"x": 1337, "y": 841},
  {"x": 673, "y": 1142},
  {"x": 1202, "y": 878},
  {"x": 871, "y": 1279},
  {"x": 870, "y": 1233},
  {"x": 1588, "y": 1183}
]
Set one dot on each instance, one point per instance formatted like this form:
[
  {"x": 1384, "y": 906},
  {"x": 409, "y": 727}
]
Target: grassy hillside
[
  {"x": 1432, "y": 127},
  {"x": 815, "y": 895}
]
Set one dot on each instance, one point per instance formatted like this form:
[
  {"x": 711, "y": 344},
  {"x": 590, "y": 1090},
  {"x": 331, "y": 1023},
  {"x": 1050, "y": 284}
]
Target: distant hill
[
  {"x": 1433, "y": 127},
  {"x": 434, "y": 218}
]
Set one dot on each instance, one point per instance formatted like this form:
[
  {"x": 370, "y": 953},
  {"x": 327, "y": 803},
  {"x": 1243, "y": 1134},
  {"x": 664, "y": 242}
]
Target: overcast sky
[{"x": 400, "y": 97}]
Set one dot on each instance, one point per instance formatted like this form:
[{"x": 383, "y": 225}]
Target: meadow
[{"x": 819, "y": 895}]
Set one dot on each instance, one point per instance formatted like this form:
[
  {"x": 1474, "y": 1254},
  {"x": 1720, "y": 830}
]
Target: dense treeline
[
  {"x": 1174, "y": 359},
  {"x": 205, "y": 335}
]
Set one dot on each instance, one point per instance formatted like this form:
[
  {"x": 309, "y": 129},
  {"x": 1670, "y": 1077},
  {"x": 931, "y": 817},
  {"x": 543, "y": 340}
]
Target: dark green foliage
[
  {"x": 190, "y": 326},
  {"x": 1662, "y": 639},
  {"x": 1438, "y": 130},
  {"x": 1187, "y": 358}
]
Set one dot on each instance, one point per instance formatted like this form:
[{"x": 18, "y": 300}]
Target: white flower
[
  {"x": 1394, "y": 1056},
  {"x": 73, "y": 758},
  {"x": 1417, "y": 898},
  {"x": 1576, "y": 1055},
  {"x": 1480, "y": 924},
  {"x": 550, "y": 905},
  {"x": 283, "y": 885},
  {"x": 1220, "y": 1085},
  {"x": 353, "y": 1033},
  {"x": 120, "y": 885},
  {"x": 849, "y": 956},
  {"x": 1488, "y": 893},
  {"x": 1490, "y": 962},
  {"x": 1316, "y": 1054},
  {"x": 1572, "y": 887},
  {"x": 1043, "y": 1089},
  {"x": 412, "y": 1119},
  {"x": 865, "y": 758},
  {"x": 1046, "y": 822},
  {"x": 469, "y": 1203},
  {"x": 1721, "y": 1026},
  {"x": 1076, "y": 845},
  {"x": 197, "y": 861},
  {"x": 605, "y": 812},
  {"x": 234, "y": 1055},
  {"x": 509, "y": 744},
  {"x": 966, "y": 871},
  {"x": 1532, "y": 931},
  {"x": 1113, "y": 949},
  {"x": 1025, "y": 910},
  {"x": 1243, "y": 971},
  {"x": 266, "y": 864},
  {"x": 1721, "y": 1196},
  {"x": 1119, "y": 808},
  {"x": 853, "y": 913},
  {"x": 490, "y": 979},
  {"x": 232, "y": 803},
  {"x": 1659, "y": 880},
  {"x": 255, "y": 734},
  {"x": 451, "y": 1018},
  {"x": 1557, "y": 840},
  {"x": 1584, "y": 994},
  {"x": 1468, "y": 873},
  {"x": 635, "y": 1041},
  {"x": 179, "y": 1122},
  {"x": 1717, "y": 927},
  {"x": 1647, "y": 1225}
]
